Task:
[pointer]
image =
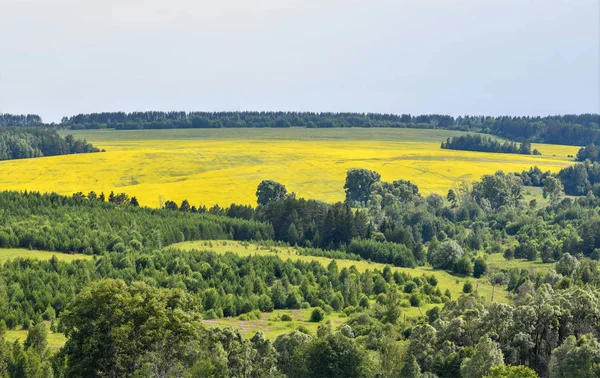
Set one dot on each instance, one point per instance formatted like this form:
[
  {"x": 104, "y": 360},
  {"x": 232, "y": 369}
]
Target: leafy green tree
[
  {"x": 264, "y": 356},
  {"x": 291, "y": 350},
  {"x": 577, "y": 358},
  {"x": 358, "y": 185},
  {"x": 451, "y": 197},
  {"x": 508, "y": 371},
  {"x": 37, "y": 338},
  {"x": 115, "y": 330},
  {"x": 480, "y": 267},
  {"x": 293, "y": 236},
  {"x": 499, "y": 189},
  {"x": 463, "y": 266},
  {"x": 553, "y": 188},
  {"x": 525, "y": 148},
  {"x": 185, "y": 206},
  {"x": 317, "y": 315},
  {"x": 467, "y": 287},
  {"x": 411, "y": 367},
  {"x": 171, "y": 205},
  {"x": 335, "y": 355},
  {"x": 566, "y": 265},
  {"x": 487, "y": 354},
  {"x": 270, "y": 191},
  {"x": 446, "y": 255},
  {"x": 423, "y": 339}
]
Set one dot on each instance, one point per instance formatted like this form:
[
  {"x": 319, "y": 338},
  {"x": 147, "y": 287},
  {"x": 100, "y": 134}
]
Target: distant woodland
[
  {"x": 590, "y": 152},
  {"x": 21, "y": 143},
  {"x": 570, "y": 129},
  {"x": 487, "y": 144}
]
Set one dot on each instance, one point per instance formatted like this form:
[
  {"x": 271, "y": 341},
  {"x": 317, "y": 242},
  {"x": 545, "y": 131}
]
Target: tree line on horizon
[{"x": 570, "y": 129}]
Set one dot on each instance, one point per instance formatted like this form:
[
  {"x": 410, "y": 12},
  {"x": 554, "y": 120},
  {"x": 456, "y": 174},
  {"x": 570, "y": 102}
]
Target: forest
[
  {"x": 563, "y": 129},
  {"x": 590, "y": 152},
  {"x": 476, "y": 142},
  {"x": 138, "y": 308},
  {"x": 20, "y": 120},
  {"x": 577, "y": 180},
  {"x": 21, "y": 143},
  {"x": 569, "y": 129}
]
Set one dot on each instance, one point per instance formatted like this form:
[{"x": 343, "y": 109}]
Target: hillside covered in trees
[{"x": 138, "y": 308}]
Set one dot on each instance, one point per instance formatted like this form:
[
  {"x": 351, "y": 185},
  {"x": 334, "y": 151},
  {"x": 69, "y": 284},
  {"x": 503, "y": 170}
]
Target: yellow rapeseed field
[{"x": 225, "y": 166}]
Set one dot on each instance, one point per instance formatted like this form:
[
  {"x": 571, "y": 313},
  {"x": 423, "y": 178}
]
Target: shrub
[
  {"x": 364, "y": 302},
  {"x": 463, "y": 266},
  {"x": 317, "y": 315},
  {"x": 410, "y": 287},
  {"x": 467, "y": 287},
  {"x": 414, "y": 300},
  {"x": 480, "y": 267},
  {"x": 265, "y": 303}
]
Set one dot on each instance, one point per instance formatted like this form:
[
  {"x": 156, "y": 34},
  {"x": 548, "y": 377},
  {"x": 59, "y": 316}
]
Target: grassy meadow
[
  {"x": 224, "y": 166},
  {"x": 272, "y": 326},
  {"x": 55, "y": 340},
  {"x": 13, "y": 253}
]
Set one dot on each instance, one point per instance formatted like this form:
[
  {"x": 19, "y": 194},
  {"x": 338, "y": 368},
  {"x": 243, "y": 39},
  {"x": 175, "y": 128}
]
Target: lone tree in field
[
  {"x": 358, "y": 185},
  {"x": 269, "y": 191}
]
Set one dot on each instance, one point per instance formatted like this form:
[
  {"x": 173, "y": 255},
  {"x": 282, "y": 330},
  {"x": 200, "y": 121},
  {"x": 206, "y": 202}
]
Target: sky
[{"x": 492, "y": 57}]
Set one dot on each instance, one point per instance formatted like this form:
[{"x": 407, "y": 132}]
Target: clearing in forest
[{"x": 14, "y": 253}]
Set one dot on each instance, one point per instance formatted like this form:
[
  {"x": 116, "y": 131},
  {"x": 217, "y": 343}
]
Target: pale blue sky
[{"x": 519, "y": 57}]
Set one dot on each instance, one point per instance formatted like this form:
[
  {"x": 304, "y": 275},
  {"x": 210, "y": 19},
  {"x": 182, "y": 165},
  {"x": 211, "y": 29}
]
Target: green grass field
[
  {"x": 293, "y": 133},
  {"x": 271, "y": 325},
  {"x": 55, "y": 340},
  {"x": 498, "y": 261},
  {"x": 13, "y": 253}
]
